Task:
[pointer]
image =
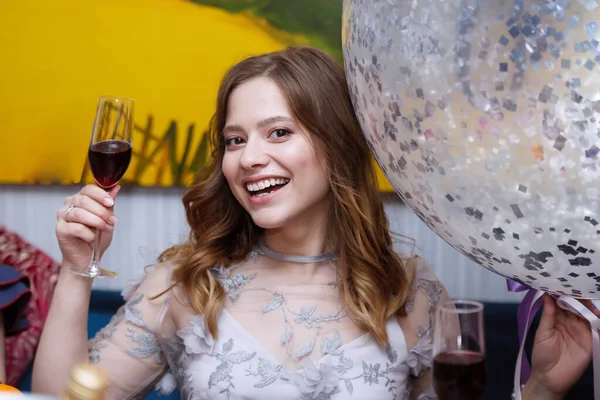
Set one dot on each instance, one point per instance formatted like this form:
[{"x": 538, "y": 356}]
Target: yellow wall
[{"x": 59, "y": 56}]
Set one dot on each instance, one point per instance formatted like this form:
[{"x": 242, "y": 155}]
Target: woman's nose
[{"x": 254, "y": 155}]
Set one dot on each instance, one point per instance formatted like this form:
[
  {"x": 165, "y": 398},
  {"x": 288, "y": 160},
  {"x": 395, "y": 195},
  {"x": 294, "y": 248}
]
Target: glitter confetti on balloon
[{"x": 485, "y": 117}]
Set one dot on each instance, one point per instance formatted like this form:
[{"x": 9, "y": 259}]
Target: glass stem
[{"x": 95, "y": 261}]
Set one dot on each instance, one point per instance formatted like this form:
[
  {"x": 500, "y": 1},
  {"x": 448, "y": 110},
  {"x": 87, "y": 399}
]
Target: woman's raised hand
[{"x": 78, "y": 219}]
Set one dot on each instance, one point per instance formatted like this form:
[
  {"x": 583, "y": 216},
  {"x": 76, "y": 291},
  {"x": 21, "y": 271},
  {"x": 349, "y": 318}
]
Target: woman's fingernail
[
  {"x": 108, "y": 201},
  {"x": 109, "y": 228},
  {"x": 112, "y": 220}
]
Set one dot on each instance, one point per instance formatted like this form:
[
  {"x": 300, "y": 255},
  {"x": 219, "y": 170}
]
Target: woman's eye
[
  {"x": 234, "y": 141},
  {"x": 279, "y": 133}
]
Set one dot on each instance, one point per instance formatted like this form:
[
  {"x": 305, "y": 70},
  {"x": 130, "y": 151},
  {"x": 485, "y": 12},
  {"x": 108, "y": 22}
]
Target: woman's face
[{"x": 272, "y": 168}]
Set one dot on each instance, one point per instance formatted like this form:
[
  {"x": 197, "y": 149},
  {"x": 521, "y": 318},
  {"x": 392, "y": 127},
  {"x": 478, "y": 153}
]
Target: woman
[{"x": 288, "y": 286}]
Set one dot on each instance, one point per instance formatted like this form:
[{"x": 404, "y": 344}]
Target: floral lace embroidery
[
  {"x": 235, "y": 284},
  {"x": 228, "y": 359},
  {"x": 315, "y": 381},
  {"x": 98, "y": 342},
  {"x": 307, "y": 318},
  {"x": 196, "y": 337},
  {"x": 147, "y": 343},
  {"x": 266, "y": 371},
  {"x": 319, "y": 380},
  {"x": 420, "y": 357},
  {"x": 433, "y": 290},
  {"x": 179, "y": 357},
  {"x": 371, "y": 373}
]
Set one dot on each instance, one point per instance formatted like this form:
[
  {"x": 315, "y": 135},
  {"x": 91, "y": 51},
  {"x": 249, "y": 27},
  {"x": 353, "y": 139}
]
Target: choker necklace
[{"x": 264, "y": 250}]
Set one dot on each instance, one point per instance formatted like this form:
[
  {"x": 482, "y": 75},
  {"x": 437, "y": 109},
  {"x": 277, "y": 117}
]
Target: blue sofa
[{"x": 501, "y": 344}]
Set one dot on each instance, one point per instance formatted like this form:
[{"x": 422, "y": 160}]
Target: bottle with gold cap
[{"x": 87, "y": 382}]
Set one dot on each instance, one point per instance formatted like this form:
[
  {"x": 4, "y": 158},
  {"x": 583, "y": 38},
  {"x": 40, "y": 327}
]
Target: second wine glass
[
  {"x": 459, "y": 371},
  {"x": 109, "y": 155}
]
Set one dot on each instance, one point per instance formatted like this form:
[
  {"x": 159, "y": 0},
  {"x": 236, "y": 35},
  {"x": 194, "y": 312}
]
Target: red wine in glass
[
  {"x": 109, "y": 155},
  {"x": 459, "y": 375},
  {"x": 109, "y": 160},
  {"x": 459, "y": 351}
]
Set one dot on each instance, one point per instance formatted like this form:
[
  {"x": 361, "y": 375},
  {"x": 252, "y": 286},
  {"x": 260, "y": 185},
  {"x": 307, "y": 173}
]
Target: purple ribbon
[{"x": 523, "y": 322}]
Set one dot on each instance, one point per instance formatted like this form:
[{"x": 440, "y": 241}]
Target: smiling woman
[
  {"x": 287, "y": 216},
  {"x": 269, "y": 145}
]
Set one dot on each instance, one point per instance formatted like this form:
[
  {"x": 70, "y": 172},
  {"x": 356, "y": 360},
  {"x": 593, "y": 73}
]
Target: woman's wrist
[
  {"x": 534, "y": 390},
  {"x": 67, "y": 265},
  {"x": 68, "y": 279}
]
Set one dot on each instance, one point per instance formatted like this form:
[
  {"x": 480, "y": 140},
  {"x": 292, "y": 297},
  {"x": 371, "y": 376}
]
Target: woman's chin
[{"x": 267, "y": 220}]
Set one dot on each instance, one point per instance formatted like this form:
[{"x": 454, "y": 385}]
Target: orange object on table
[{"x": 7, "y": 388}]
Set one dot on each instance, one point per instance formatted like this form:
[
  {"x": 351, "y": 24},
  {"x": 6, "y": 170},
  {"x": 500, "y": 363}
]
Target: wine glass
[
  {"x": 459, "y": 371},
  {"x": 109, "y": 155}
]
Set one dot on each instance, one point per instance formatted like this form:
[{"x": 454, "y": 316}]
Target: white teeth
[{"x": 265, "y": 183}]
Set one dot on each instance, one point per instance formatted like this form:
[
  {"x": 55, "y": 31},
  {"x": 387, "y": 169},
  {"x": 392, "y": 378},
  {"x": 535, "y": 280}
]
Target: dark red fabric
[
  {"x": 42, "y": 272},
  {"x": 14, "y": 299}
]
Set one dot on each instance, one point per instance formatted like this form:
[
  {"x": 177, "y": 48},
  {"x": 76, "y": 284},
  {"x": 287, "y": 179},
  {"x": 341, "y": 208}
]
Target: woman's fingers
[
  {"x": 549, "y": 314},
  {"x": 75, "y": 230},
  {"x": 86, "y": 205},
  {"x": 90, "y": 207},
  {"x": 86, "y": 211},
  {"x": 98, "y": 194},
  {"x": 590, "y": 306},
  {"x": 82, "y": 215},
  {"x": 114, "y": 191}
]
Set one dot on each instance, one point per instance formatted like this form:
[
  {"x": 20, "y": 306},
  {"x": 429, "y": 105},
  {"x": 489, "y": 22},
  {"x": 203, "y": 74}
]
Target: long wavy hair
[{"x": 374, "y": 283}]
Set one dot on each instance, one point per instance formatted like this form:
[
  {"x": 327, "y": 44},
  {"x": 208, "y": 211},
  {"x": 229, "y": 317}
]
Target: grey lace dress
[{"x": 283, "y": 334}]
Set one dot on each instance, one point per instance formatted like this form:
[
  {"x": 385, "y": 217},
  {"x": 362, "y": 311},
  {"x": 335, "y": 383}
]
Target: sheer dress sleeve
[
  {"x": 128, "y": 347},
  {"x": 418, "y": 325}
]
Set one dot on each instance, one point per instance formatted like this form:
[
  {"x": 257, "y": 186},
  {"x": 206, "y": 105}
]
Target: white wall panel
[{"x": 151, "y": 219}]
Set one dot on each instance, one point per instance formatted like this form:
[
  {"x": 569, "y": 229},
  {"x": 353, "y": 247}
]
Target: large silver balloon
[{"x": 485, "y": 117}]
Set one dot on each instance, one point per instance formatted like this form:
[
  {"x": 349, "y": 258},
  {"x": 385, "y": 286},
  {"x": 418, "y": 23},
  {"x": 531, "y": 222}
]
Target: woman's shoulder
[
  {"x": 154, "y": 289},
  {"x": 152, "y": 278},
  {"x": 419, "y": 271},
  {"x": 424, "y": 282}
]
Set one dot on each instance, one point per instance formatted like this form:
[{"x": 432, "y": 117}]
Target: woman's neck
[
  {"x": 304, "y": 254},
  {"x": 308, "y": 234},
  {"x": 296, "y": 242},
  {"x": 309, "y": 237}
]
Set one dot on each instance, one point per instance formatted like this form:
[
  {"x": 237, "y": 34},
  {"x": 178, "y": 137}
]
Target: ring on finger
[{"x": 71, "y": 207}]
